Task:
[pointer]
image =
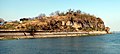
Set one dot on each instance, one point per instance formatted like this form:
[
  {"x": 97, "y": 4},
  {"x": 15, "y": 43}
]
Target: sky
[{"x": 107, "y": 10}]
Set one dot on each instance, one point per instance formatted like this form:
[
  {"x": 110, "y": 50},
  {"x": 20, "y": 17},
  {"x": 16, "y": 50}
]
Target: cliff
[{"x": 59, "y": 21}]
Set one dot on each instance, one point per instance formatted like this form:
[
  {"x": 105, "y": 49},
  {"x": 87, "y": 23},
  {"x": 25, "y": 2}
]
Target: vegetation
[{"x": 59, "y": 21}]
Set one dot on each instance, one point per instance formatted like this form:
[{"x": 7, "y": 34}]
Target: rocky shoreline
[{"x": 4, "y": 36}]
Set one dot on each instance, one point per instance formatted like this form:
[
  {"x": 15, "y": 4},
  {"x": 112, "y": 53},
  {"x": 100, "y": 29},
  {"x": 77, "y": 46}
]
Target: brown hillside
[{"x": 69, "y": 21}]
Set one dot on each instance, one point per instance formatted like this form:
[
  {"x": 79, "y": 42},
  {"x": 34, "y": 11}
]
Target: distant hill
[{"x": 60, "y": 21}]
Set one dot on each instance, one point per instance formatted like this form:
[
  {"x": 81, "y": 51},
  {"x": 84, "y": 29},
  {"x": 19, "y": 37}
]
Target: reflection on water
[{"x": 104, "y": 44}]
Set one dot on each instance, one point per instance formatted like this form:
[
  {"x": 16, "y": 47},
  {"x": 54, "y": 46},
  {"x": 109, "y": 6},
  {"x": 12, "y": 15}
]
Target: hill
[{"x": 59, "y": 21}]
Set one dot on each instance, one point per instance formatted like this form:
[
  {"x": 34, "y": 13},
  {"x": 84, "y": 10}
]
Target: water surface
[{"x": 103, "y": 44}]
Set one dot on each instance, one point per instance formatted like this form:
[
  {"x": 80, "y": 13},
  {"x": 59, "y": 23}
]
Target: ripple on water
[{"x": 104, "y": 44}]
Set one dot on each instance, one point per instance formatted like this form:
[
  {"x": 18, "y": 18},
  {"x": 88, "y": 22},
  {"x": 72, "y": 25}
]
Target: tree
[
  {"x": 78, "y": 11},
  {"x": 32, "y": 29},
  {"x": 52, "y": 14},
  {"x": 69, "y": 10},
  {"x": 1, "y": 20},
  {"x": 57, "y": 13},
  {"x": 62, "y": 14},
  {"x": 24, "y": 19},
  {"x": 41, "y": 15}
]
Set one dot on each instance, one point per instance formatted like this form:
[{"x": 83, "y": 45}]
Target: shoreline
[{"x": 4, "y": 36}]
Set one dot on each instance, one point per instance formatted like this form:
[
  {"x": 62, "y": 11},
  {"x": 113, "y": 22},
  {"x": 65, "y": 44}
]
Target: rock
[
  {"x": 69, "y": 23},
  {"x": 76, "y": 25},
  {"x": 107, "y": 29}
]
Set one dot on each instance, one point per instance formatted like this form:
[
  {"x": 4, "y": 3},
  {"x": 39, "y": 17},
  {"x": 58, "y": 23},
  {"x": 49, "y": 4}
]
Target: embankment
[{"x": 25, "y": 35}]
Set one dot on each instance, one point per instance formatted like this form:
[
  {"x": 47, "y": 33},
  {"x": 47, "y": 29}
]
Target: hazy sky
[{"x": 108, "y": 10}]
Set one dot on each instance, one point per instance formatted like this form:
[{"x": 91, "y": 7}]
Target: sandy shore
[{"x": 48, "y": 34}]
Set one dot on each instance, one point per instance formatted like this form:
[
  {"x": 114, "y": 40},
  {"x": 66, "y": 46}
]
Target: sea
[{"x": 101, "y": 44}]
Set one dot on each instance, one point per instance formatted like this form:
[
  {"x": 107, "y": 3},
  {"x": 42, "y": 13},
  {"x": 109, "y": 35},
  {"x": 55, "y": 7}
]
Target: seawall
[{"x": 21, "y": 35}]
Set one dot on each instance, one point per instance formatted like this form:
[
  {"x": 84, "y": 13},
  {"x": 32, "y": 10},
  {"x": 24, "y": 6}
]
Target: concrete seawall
[{"x": 48, "y": 34}]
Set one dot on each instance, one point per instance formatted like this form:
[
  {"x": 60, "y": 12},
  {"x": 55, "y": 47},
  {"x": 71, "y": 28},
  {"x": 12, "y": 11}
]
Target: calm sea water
[{"x": 103, "y": 44}]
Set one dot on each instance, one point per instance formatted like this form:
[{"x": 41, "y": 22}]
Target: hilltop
[{"x": 59, "y": 21}]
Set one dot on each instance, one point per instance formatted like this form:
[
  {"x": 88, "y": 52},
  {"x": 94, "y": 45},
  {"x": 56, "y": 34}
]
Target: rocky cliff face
[{"x": 69, "y": 21}]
